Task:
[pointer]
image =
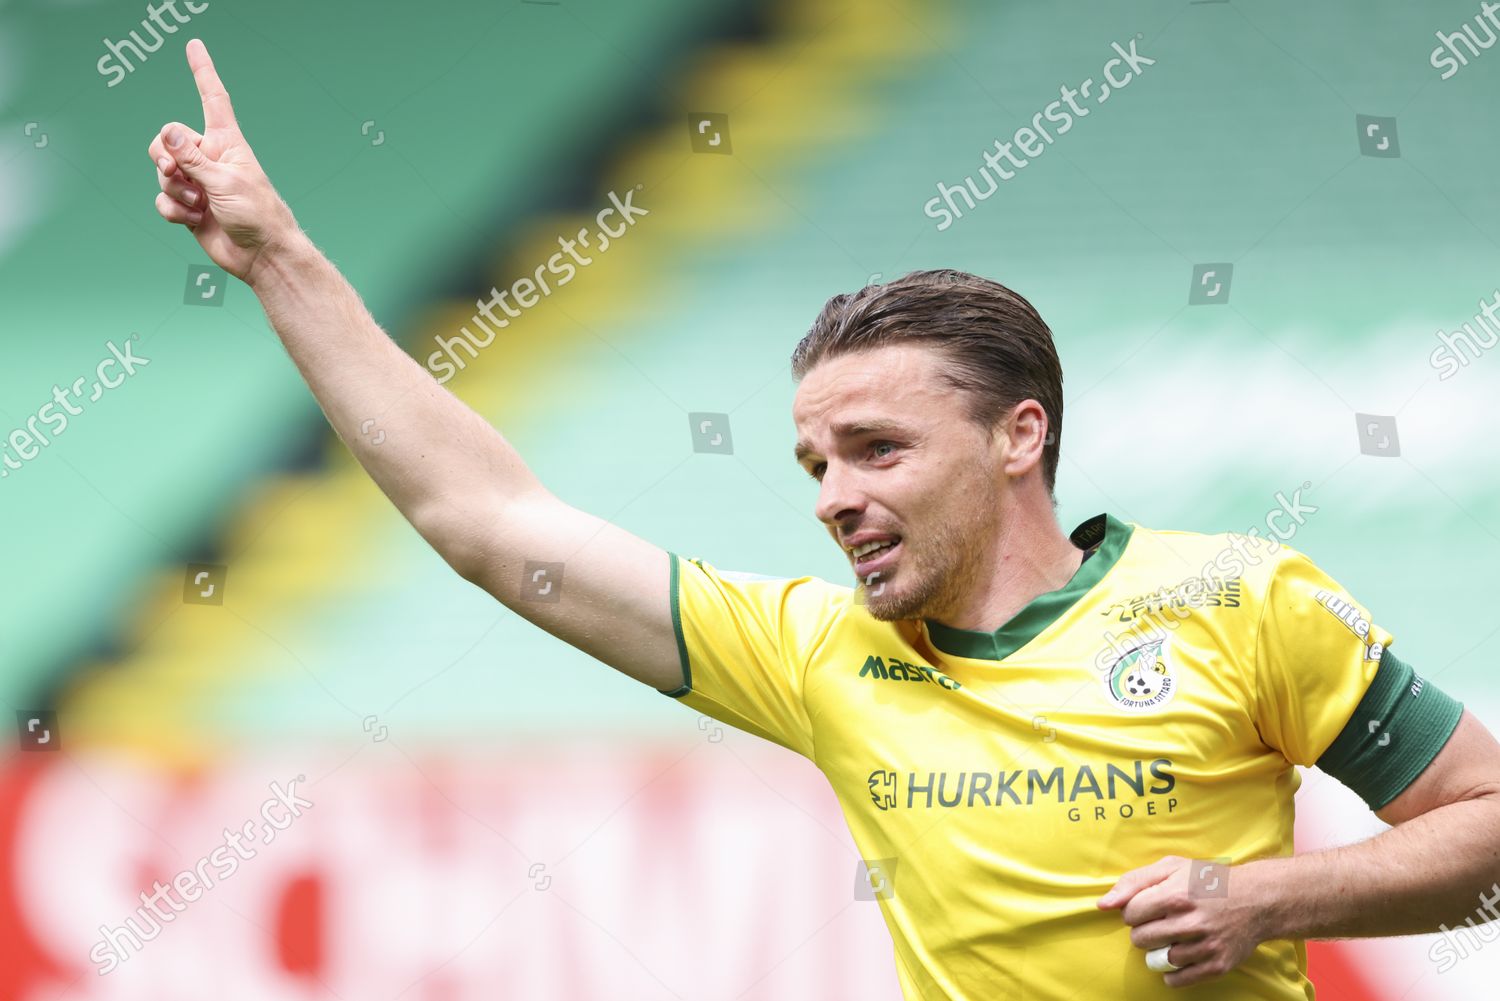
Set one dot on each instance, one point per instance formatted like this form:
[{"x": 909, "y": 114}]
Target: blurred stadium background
[{"x": 495, "y": 813}]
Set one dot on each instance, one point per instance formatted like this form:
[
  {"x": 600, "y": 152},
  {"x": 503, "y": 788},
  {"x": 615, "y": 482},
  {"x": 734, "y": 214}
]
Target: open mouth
[{"x": 877, "y": 558}]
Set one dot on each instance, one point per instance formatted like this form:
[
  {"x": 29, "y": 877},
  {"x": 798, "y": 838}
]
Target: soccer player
[{"x": 1067, "y": 758}]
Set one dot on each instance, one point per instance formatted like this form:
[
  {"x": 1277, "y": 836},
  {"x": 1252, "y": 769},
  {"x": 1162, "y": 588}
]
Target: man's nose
[{"x": 838, "y": 498}]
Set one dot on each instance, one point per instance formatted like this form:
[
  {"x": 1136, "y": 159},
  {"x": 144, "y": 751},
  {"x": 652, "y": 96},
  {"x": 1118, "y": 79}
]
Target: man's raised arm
[{"x": 451, "y": 474}]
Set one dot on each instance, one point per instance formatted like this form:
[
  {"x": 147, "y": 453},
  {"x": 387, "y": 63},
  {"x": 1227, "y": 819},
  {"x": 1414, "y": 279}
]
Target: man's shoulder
[
  {"x": 810, "y": 582},
  {"x": 799, "y": 596},
  {"x": 1252, "y": 555}
]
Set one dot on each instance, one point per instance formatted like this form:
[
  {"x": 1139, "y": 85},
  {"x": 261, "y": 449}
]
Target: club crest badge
[{"x": 1143, "y": 679}]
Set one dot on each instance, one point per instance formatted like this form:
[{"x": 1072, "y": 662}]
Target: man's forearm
[
  {"x": 1429, "y": 871},
  {"x": 435, "y": 457}
]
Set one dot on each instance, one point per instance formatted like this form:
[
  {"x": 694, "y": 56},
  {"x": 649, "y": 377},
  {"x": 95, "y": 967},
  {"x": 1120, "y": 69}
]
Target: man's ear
[{"x": 1022, "y": 427}]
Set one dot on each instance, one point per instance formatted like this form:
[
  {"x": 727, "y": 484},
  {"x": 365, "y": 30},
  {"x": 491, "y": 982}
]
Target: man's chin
[{"x": 883, "y": 603}]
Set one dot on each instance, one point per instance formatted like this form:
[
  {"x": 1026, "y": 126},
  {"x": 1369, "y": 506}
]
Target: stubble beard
[{"x": 940, "y": 565}]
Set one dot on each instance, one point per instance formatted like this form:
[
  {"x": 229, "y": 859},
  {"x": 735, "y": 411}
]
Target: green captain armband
[{"x": 1396, "y": 730}]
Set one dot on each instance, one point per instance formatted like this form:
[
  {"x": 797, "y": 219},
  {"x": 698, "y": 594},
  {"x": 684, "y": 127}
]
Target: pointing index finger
[{"x": 218, "y": 113}]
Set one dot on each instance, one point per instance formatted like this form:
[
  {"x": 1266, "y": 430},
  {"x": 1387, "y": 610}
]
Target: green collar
[{"x": 1104, "y": 530}]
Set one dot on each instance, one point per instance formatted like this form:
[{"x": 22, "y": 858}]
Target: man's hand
[
  {"x": 213, "y": 184},
  {"x": 1174, "y": 902}
]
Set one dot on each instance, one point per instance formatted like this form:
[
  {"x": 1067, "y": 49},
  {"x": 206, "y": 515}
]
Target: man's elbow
[
  {"x": 455, "y": 537},
  {"x": 1486, "y": 791}
]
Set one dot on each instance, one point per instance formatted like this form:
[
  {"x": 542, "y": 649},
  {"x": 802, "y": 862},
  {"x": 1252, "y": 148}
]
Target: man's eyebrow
[{"x": 850, "y": 429}]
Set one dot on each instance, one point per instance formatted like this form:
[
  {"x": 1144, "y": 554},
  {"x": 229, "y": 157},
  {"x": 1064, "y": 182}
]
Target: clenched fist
[{"x": 213, "y": 184}]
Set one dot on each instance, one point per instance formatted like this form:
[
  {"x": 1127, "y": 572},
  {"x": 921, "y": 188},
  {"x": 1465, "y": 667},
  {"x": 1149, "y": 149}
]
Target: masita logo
[
  {"x": 900, "y": 670},
  {"x": 1143, "y": 678}
]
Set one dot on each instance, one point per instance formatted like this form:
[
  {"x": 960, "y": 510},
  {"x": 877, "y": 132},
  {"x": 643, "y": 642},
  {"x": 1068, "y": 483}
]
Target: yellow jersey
[{"x": 997, "y": 784}]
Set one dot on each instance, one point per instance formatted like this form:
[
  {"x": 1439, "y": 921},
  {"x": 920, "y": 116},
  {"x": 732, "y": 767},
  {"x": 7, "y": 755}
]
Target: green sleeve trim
[
  {"x": 682, "y": 654},
  {"x": 1398, "y": 728}
]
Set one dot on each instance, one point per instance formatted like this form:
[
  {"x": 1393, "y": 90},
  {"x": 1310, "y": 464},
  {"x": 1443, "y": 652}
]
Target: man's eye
[
  {"x": 878, "y": 444},
  {"x": 817, "y": 470}
]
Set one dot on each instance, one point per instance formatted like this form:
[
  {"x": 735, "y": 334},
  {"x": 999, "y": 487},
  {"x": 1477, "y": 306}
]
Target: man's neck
[{"x": 1029, "y": 561}]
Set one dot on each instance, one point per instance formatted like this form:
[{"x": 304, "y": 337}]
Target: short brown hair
[{"x": 997, "y": 348}]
